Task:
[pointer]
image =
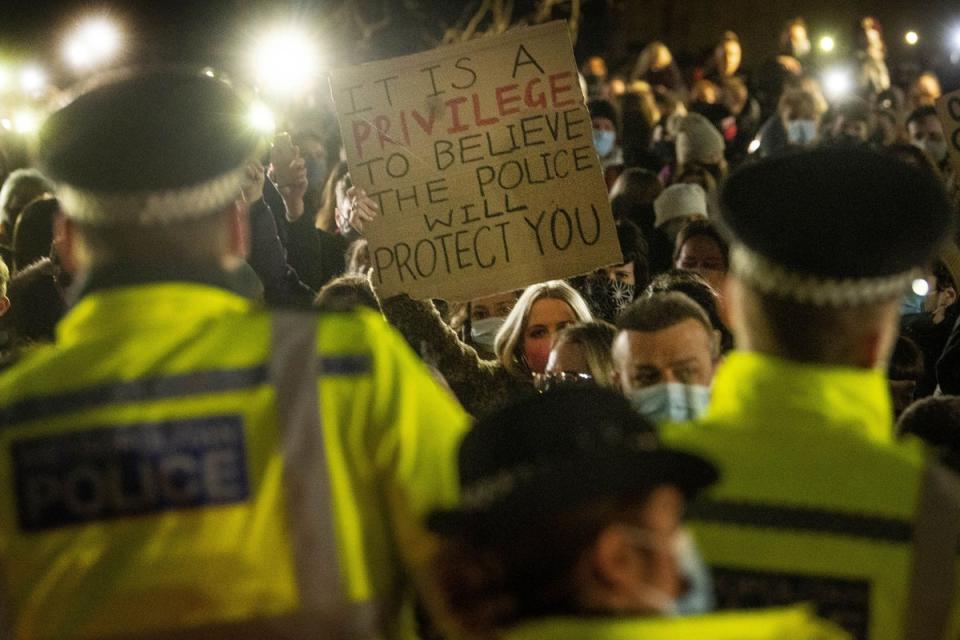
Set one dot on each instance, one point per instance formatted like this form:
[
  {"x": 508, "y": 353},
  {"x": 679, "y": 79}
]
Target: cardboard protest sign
[
  {"x": 948, "y": 108},
  {"x": 480, "y": 156}
]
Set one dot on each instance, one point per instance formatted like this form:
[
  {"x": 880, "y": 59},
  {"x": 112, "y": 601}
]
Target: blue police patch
[{"x": 112, "y": 472}]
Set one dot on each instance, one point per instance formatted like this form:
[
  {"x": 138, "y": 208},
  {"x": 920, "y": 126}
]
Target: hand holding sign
[
  {"x": 362, "y": 208},
  {"x": 480, "y": 160}
]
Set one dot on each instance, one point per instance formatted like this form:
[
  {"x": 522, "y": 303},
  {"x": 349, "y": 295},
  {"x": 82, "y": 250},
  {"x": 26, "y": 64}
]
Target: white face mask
[
  {"x": 936, "y": 148},
  {"x": 483, "y": 332},
  {"x": 801, "y": 132},
  {"x": 670, "y": 401}
]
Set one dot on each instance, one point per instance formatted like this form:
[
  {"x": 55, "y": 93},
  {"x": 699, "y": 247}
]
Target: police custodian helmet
[
  {"x": 149, "y": 147},
  {"x": 834, "y": 227}
]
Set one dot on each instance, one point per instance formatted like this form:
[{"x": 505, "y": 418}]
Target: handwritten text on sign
[{"x": 480, "y": 157}]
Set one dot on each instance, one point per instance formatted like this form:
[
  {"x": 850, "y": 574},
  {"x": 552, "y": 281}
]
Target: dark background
[{"x": 219, "y": 32}]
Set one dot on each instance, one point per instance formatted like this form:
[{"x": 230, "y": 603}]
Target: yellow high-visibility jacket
[
  {"x": 817, "y": 503},
  {"x": 180, "y": 460},
  {"x": 795, "y": 623}
]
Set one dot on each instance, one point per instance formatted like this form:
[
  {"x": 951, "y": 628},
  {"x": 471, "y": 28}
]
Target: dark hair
[
  {"x": 346, "y": 293},
  {"x": 33, "y": 231},
  {"x": 906, "y": 361},
  {"x": 936, "y": 421},
  {"x": 635, "y": 249},
  {"x": 944, "y": 277},
  {"x": 605, "y": 109},
  {"x": 706, "y": 228},
  {"x": 489, "y": 585},
  {"x": 920, "y": 113},
  {"x": 662, "y": 311},
  {"x": 693, "y": 285},
  {"x": 915, "y": 156},
  {"x": 36, "y": 304}
]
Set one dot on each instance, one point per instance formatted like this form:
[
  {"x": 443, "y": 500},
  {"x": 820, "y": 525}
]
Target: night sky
[{"x": 219, "y": 32}]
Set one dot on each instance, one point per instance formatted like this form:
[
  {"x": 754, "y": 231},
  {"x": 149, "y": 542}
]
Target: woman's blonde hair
[
  {"x": 596, "y": 338},
  {"x": 508, "y": 345}
]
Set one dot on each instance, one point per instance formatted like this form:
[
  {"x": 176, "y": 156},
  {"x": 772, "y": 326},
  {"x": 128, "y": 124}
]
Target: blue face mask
[
  {"x": 801, "y": 132},
  {"x": 670, "y": 402},
  {"x": 911, "y": 303},
  {"x": 699, "y": 597},
  {"x": 603, "y": 141}
]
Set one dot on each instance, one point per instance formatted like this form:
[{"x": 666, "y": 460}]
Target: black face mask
[{"x": 606, "y": 297}]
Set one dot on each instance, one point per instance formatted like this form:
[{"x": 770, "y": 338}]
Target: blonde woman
[{"x": 522, "y": 344}]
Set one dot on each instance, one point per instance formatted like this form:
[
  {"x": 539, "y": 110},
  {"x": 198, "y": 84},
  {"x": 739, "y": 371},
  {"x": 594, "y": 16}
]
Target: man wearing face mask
[
  {"x": 664, "y": 357},
  {"x": 926, "y": 132}
]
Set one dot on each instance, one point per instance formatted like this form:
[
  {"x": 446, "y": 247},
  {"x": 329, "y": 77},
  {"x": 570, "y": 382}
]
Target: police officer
[
  {"x": 817, "y": 503},
  {"x": 181, "y": 463},
  {"x": 570, "y": 529}
]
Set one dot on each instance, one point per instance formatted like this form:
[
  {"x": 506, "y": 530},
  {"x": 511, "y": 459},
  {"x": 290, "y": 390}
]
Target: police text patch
[{"x": 111, "y": 472}]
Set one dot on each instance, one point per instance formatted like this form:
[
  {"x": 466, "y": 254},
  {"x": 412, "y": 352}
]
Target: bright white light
[
  {"x": 911, "y": 38},
  {"x": 209, "y": 72},
  {"x": 955, "y": 38},
  {"x": 754, "y": 145},
  {"x": 837, "y": 83},
  {"x": 25, "y": 122},
  {"x": 4, "y": 78},
  {"x": 286, "y": 61},
  {"x": 32, "y": 79},
  {"x": 94, "y": 42},
  {"x": 6, "y": 124},
  {"x": 261, "y": 118},
  {"x": 827, "y": 44},
  {"x": 920, "y": 287}
]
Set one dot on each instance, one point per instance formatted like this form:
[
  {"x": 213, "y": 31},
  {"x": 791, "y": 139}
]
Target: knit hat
[
  {"x": 680, "y": 200},
  {"x": 698, "y": 141},
  {"x": 151, "y": 147},
  {"x": 833, "y": 227}
]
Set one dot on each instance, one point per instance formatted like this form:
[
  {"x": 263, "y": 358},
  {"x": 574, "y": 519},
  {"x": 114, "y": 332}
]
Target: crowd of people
[{"x": 749, "y": 428}]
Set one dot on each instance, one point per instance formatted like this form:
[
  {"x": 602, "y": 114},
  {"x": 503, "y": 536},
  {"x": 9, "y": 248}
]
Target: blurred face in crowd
[
  {"x": 703, "y": 255},
  {"x": 567, "y": 357},
  {"x": 547, "y": 316},
  {"x": 633, "y": 569},
  {"x": 680, "y": 353},
  {"x": 927, "y": 134},
  {"x": 661, "y": 58},
  {"x": 622, "y": 273},
  {"x": 495, "y": 306},
  {"x": 853, "y": 128},
  {"x": 729, "y": 55},
  {"x": 799, "y": 40}
]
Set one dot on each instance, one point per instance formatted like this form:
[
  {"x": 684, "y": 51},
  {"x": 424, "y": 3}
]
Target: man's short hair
[{"x": 662, "y": 311}]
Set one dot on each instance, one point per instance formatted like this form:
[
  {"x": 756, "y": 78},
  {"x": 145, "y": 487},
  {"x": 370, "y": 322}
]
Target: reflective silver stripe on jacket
[
  {"x": 933, "y": 593},
  {"x": 310, "y": 510}
]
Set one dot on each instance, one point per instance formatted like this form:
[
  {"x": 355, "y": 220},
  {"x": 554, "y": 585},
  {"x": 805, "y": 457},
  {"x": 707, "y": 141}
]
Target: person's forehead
[
  {"x": 701, "y": 245},
  {"x": 550, "y": 311},
  {"x": 683, "y": 340}
]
